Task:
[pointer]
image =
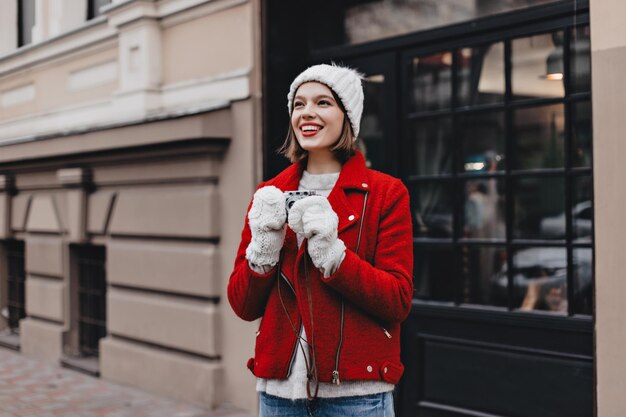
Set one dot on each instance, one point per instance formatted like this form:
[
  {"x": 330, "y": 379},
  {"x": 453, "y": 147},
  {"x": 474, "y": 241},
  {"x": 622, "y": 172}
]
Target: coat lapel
[{"x": 353, "y": 177}]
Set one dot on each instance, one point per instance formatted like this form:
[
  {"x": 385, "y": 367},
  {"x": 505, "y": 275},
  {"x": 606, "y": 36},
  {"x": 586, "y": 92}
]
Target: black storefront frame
[
  {"x": 568, "y": 172},
  {"x": 571, "y": 336}
]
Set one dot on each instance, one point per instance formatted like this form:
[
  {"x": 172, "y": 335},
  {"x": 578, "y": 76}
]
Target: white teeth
[{"x": 310, "y": 128}]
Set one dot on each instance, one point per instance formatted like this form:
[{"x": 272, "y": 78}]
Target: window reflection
[
  {"x": 432, "y": 209},
  {"x": 371, "y": 136},
  {"x": 580, "y": 62},
  {"x": 93, "y": 7},
  {"x": 431, "y": 80},
  {"x": 581, "y": 134},
  {"x": 539, "y": 207},
  {"x": 26, "y": 21},
  {"x": 432, "y": 147},
  {"x": 484, "y": 209},
  {"x": 483, "y": 138},
  {"x": 538, "y": 66},
  {"x": 501, "y": 141},
  {"x": 479, "y": 264},
  {"x": 582, "y": 209},
  {"x": 583, "y": 280},
  {"x": 539, "y": 279},
  {"x": 435, "y": 273},
  {"x": 539, "y": 135},
  {"x": 481, "y": 75},
  {"x": 370, "y": 20}
]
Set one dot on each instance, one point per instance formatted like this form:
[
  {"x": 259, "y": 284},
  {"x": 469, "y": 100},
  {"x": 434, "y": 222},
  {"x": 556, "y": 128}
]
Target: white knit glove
[
  {"x": 267, "y": 224},
  {"x": 314, "y": 218}
]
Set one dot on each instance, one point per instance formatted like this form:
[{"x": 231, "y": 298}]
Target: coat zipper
[
  {"x": 335, "y": 376},
  {"x": 386, "y": 333},
  {"x": 288, "y": 283}
]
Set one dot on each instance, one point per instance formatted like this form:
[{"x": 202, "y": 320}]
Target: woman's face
[{"x": 316, "y": 118}]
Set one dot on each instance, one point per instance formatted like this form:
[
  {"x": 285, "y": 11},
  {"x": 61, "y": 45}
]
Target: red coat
[{"x": 376, "y": 284}]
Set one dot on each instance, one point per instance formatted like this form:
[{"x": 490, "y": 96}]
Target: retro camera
[{"x": 292, "y": 196}]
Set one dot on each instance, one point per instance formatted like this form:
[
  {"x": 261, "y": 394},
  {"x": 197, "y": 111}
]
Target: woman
[{"x": 331, "y": 279}]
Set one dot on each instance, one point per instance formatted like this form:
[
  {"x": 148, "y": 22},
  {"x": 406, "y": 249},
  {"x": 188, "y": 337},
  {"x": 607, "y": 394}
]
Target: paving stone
[{"x": 31, "y": 388}]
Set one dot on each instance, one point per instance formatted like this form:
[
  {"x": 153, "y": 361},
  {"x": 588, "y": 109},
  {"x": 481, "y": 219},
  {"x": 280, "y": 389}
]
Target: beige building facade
[
  {"x": 608, "y": 26},
  {"x": 136, "y": 133}
]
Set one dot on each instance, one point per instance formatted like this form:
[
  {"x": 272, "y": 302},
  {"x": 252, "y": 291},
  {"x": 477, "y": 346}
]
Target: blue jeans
[{"x": 375, "y": 405}]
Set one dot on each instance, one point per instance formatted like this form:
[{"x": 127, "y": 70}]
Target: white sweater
[{"x": 294, "y": 387}]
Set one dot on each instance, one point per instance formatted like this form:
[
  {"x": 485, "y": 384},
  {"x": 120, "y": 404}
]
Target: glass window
[
  {"x": 540, "y": 279},
  {"x": 488, "y": 171},
  {"x": 580, "y": 63},
  {"x": 367, "y": 20},
  {"x": 26, "y": 19},
  {"x": 539, "y": 134},
  {"x": 93, "y": 7},
  {"x": 583, "y": 281},
  {"x": 582, "y": 209},
  {"x": 483, "y": 270},
  {"x": 432, "y": 209},
  {"x": 371, "y": 136},
  {"x": 581, "y": 134},
  {"x": 431, "y": 78},
  {"x": 431, "y": 151},
  {"x": 537, "y": 63},
  {"x": 539, "y": 208},
  {"x": 481, "y": 75},
  {"x": 435, "y": 273},
  {"x": 484, "y": 209},
  {"x": 483, "y": 140}
]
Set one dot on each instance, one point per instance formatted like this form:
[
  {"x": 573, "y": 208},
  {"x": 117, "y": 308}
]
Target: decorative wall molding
[
  {"x": 44, "y": 255},
  {"x": 176, "y": 12},
  {"x": 183, "y": 212},
  {"x": 91, "y": 34},
  {"x": 231, "y": 87},
  {"x": 16, "y": 96},
  {"x": 20, "y": 206},
  {"x": 138, "y": 71},
  {"x": 93, "y": 76},
  {"x": 44, "y": 215},
  {"x": 189, "y": 268},
  {"x": 177, "y": 99},
  {"x": 7, "y": 189},
  {"x": 187, "y": 377},
  {"x": 100, "y": 207},
  {"x": 45, "y": 298},
  {"x": 176, "y": 322},
  {"x": 211, "y": 122}
]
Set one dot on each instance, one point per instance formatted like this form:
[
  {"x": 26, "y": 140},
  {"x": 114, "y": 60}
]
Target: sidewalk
[{"x": 30, "y": 388}]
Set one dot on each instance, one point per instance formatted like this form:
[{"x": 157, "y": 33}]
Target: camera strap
[{"x": 312, "y": 384}]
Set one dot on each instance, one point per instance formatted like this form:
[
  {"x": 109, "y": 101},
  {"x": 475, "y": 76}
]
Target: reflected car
[
  {"x": 543, "y": 270},
  {"x": 582, "y": 221}
]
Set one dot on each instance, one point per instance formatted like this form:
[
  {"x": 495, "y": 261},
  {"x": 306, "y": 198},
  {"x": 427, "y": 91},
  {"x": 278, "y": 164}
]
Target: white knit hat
[{"x": 345, "y": 82}]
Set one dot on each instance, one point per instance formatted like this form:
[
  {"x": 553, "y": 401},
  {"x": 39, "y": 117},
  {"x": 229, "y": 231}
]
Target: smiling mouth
[{"x": 310, "y": 130}]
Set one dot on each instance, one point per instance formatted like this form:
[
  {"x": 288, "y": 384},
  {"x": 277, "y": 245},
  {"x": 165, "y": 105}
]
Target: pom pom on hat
[{"x": 344, "y": 81}]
